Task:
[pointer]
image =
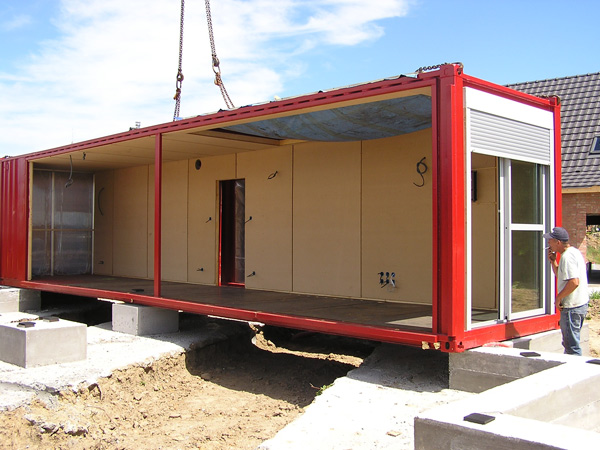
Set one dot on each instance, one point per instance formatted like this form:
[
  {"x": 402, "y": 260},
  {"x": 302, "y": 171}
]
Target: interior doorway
[{"x": 231, "y": 233}]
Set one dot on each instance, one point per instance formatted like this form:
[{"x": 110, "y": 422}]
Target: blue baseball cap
[{"x": 558, "y": 233}]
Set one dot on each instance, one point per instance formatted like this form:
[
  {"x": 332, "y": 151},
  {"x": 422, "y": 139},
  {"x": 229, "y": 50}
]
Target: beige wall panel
[
  {"x": 174, "y": 221},
  {"x": 130, "y": 231},
  {"x": 397, "y": 218},
  {"x": 326, "y": 221},
  {"x": 484, "y": 213},
  {"x": 203, "y": 205},
  {"x": 268, "y": 235},
  {"x": 103, "y": 223},
  {"x": 150, "y": 206}
]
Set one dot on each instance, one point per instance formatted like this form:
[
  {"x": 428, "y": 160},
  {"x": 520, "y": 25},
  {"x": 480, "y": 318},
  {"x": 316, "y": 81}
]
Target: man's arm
[{"x": 571, "y": 285}]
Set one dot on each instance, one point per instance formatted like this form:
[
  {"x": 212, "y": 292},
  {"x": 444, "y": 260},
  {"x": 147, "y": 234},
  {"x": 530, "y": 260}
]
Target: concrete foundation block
[
  {"x": 557, "y": 408},
  {"x": 551, "y": 341},
  {"x": 14, "y": 299},
  {"x": 142, "y": 320},
  {"x": 478, "y": 370},
  {"x": 42, "y": 342}
]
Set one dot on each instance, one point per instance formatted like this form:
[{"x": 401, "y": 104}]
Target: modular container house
[{"x": 407, "y": 210}]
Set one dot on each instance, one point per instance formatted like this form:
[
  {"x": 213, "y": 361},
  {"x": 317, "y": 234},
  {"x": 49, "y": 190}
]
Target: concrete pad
[
  {"x": 141, "y": 320},
  {"x": 557, "y": 408},
  {"x": 551, "y": 341},
  {"x": 14, "y": 299},
  {"x": 374, "y": 405},
  {"x": 44, "y": 342},
  {"x": 11, "y": 317},
  {"x": 483, "y": 368}
]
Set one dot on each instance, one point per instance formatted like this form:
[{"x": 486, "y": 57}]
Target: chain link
[
  {"x": 428, "y": 68},
  {"x": 179, "y": 78},
  {"x": 215, "y": 61}
]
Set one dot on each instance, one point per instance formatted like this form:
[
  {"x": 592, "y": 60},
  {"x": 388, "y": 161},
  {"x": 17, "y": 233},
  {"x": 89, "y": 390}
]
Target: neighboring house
[{"x": 580, "y": 123}]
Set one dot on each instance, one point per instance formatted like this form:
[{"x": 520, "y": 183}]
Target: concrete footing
[
  {"x": 555, "y": 408},
  {"x": 551, "y": 341},
  {"x": 140, "y": 320},
  {"x": 14, "y": 299},
  {"x": 42, "y": 342},
  {"x": 477, "y": 370}
]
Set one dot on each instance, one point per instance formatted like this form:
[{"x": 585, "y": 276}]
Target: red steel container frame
[{"x": 448, "y": 206}]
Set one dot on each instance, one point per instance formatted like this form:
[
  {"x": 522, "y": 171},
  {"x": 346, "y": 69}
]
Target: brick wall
[{"x": 576, "y": 207}]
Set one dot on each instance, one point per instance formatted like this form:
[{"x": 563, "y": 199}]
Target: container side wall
[{"x": 14, "y": 219}]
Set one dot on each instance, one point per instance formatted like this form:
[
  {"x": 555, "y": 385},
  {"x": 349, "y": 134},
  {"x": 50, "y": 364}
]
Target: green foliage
[{"x": 322, "y": 389}]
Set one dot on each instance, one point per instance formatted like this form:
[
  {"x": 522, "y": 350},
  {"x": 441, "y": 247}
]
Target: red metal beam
[
  {"x": 557, "y": 162},
  {"x": 508, "y": 93},
  {"x": 296, "y": 322},
  {"x": 451, "y": 206},
  {"x": 157, "y": 214}
]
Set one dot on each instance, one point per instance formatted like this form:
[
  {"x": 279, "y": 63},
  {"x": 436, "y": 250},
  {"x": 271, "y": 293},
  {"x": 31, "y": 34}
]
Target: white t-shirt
[{"x": 572, "y": 265}]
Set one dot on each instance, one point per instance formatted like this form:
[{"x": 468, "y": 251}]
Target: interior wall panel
[
  {"x": 268, "y": 235},
  {"x": 174, "y": 220},
  {"x": 327, "y": 182},
  {"x": 484, "y": 217},
  {"x": 130, "y": 243},
  {"x": 203, "y": 215},
  {"x": 103, "y": 223},
  {"x": 397, "y": 218}
]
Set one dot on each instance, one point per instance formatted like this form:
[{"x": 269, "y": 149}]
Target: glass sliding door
[{"x": 525, "y": 271}]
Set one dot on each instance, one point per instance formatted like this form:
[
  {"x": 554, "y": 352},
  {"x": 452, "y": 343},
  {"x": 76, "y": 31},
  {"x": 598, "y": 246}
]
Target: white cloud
[
  {"x": 114, "y": 62},
  {"x": 15, "y": 22}
]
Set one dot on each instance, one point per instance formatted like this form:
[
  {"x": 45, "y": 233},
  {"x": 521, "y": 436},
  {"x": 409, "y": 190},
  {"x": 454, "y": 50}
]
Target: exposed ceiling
[{"x": 383, "y": 116}]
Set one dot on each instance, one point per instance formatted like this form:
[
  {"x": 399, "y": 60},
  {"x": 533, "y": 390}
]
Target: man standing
[{"x": 572, "y": 288}]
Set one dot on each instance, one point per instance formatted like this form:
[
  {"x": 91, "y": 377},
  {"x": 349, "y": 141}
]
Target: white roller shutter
[{"x": 507, "y": 129}]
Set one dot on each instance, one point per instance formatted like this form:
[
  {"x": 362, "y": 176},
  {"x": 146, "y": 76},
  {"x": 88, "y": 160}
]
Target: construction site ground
[{"x": 224, "y": 385}]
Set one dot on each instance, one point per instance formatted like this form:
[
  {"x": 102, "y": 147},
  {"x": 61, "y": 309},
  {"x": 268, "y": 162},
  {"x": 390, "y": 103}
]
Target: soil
[
  {"x": 593, "y": 320},
  {"x": 214, "y": 398}
]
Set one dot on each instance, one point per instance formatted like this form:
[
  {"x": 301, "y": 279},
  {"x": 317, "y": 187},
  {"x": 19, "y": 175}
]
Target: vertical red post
[
  {"x": 157, "y": 213},
  {"x": 557, "y": 162},
  {"x": 451, "y": 227}
]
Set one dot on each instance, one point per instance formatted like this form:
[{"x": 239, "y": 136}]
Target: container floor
[{"x": 373, "y": 313}]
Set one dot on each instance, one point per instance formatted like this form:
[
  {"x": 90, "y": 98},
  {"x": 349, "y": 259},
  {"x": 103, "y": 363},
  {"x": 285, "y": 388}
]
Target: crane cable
[
  {"x": 179, "y": 79},
  {"x": 215, "y": 61}
]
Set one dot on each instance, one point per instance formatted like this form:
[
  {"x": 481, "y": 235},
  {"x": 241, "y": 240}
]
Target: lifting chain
[
  {"x": 215, "y": 61},
  {"x": 179, "y": 79},
  {"x": 437, "y": 66}
]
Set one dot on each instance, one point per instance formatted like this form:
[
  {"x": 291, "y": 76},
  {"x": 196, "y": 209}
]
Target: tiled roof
[{"x": 580, "y": 122}]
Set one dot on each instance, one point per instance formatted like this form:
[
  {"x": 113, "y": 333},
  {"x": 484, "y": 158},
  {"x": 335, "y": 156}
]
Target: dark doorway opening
[{"x": 231, "y": 239}]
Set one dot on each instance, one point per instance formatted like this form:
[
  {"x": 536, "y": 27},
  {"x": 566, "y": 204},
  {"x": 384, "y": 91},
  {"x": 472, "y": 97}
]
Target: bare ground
[{"x": 215, "y": 398}]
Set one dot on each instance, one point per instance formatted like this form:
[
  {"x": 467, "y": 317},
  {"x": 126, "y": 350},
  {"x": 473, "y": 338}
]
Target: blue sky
[{"x": 72, "y": 70}]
